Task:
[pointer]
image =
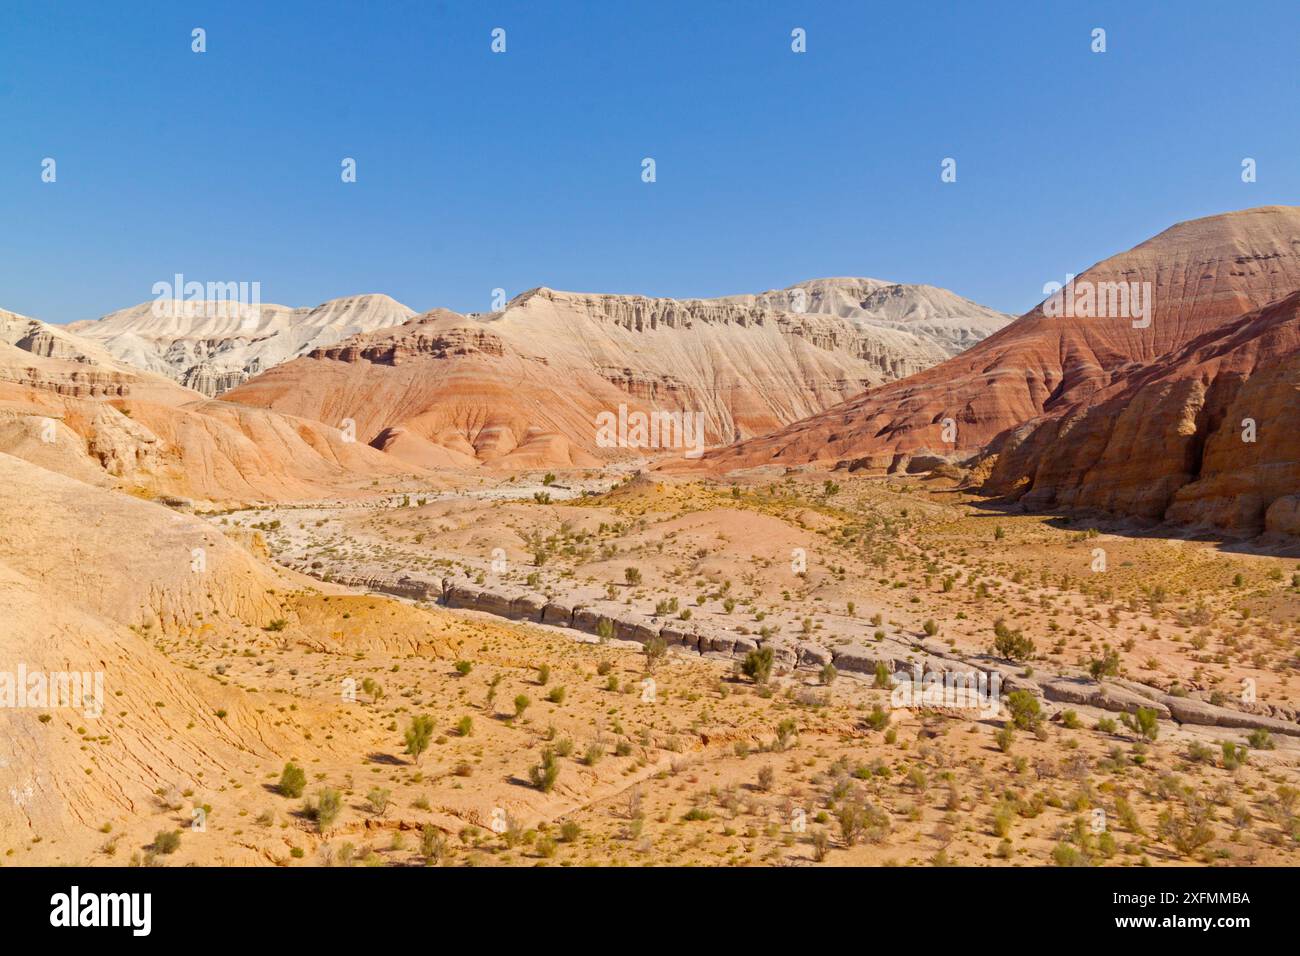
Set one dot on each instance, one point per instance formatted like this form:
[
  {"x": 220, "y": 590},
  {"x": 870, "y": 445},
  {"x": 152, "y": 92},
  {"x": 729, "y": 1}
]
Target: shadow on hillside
[{"x": 1261, "y": 545}]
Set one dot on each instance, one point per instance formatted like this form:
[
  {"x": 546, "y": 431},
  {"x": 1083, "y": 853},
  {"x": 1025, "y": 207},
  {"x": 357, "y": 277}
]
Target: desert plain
[{"x": 945, "y": 588}]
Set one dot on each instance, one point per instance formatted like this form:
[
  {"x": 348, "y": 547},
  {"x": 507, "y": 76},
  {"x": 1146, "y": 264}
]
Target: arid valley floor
[
  {"x": 713, "y": 768},
  {"x": 924, "y": 584}
]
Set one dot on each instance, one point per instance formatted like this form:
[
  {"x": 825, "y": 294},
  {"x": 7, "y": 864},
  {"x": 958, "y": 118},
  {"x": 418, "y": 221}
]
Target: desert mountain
[
  {"x": 69, "y": 406},
  {"x": 952, "y": 322},
  {"x": 1196, "y": 277},
  {"x": 523, "y": 387},
  {"x": 1209, "y": 435},
  {"x": 213, "y": 346},
  {"x": 47, "y": 357}
]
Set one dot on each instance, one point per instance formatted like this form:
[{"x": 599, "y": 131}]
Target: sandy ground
[{"x": 704, "y": 766}]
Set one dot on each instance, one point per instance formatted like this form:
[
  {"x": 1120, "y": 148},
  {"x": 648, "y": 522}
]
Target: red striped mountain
[
  {"x": 1209, "y": 435},
  {"x": 524, "y": 387},
  {"x": 1203, "y": 275}
]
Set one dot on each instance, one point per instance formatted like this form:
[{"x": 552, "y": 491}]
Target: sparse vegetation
[
  {"x": 292, "y": 781},
  {"x": 418, "y": 736},
  {"x": 757, "y": 665}
]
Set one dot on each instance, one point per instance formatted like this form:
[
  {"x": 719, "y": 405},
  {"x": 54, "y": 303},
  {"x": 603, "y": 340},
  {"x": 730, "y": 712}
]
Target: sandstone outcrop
[
  {"x": 1106, "y": 696},
  {"x": 89, "y": 581},
  {"x": 213, "y": 346},
  {"x": 922, "y": 659},
  {"x": 69, "y": 406},
  {"x": 524, "y": 387},
  {"x": 1208, "y": 436},
  {"x": 1203, "y": 276}
]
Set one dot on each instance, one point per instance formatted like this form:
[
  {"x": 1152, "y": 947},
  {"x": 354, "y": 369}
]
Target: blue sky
[{"x": 478, "y": 171}]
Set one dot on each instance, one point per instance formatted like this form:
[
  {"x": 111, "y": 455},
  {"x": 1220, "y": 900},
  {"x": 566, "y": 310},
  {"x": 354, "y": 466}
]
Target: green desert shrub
[
  {"x": 757, "y": 665},
  {"x": 292, "y": 781}
]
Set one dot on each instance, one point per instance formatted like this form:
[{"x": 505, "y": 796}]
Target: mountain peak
[
  {"x": 213, "y": 346},
  {"x": 1194, "y": 277}
]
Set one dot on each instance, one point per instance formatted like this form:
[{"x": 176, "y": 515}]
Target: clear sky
[{"x": 478, "y": 170}]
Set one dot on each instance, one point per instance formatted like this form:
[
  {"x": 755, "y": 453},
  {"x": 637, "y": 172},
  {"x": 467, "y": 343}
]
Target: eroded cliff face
[
  {"x": 948, "y": 320},
  {"x": 71, "y": 407},
  {"x": 439, "y": 334},
  {"x": 37, "y": 355},
  {"x": 1195, "y": 276},
  {"x": 1208, "y": 436},
  {"x": 524, "y": 387},
  {"x": 213, "y": 346},
  {"x": 208, "y": 380}
]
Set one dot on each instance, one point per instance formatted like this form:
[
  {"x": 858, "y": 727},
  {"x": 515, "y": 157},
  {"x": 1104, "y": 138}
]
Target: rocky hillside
[
  {"x": 89, "y": 579},
  {"x": 1209, "y": 435},
  {"x": 1197, "y": 277},
  {"x": 47, "y": 357},
  {"x": 950, "y": 321},
  {"x": 524, "y": 387},
  {"x": 212, "y": 347},
  {"x": 69, "y": 406}
]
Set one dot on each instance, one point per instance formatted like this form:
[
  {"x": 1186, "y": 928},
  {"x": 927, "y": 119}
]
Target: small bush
[
  {"x": 1234, "y": 755},
  {"x": 1005, "y": 737},
  {"x": 1143, "y": 723},
  {"x": 419, "y": 735},
  {"x": 821, "y": 843},
  {"x": 757, "y": 665},
  {"x": 1260, "y": 739},
  {"x": 878, "y": 719},
  {"x": 1011, "y": 645},
  {"x": 292, "y": 781},
  {"x": 1105, "y": 666},
  {"x": 433, "y": 846},
  {"x": 326, "y": 808},
  {"x": 656, "y": 649},
  {"x": 546, "y": 773},
  {"x": 378, "y": 798},
  {"x": 1024, "y": 708},
  {"x": 166, "y": 841},
  {"x": 881, "y": 679}
]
